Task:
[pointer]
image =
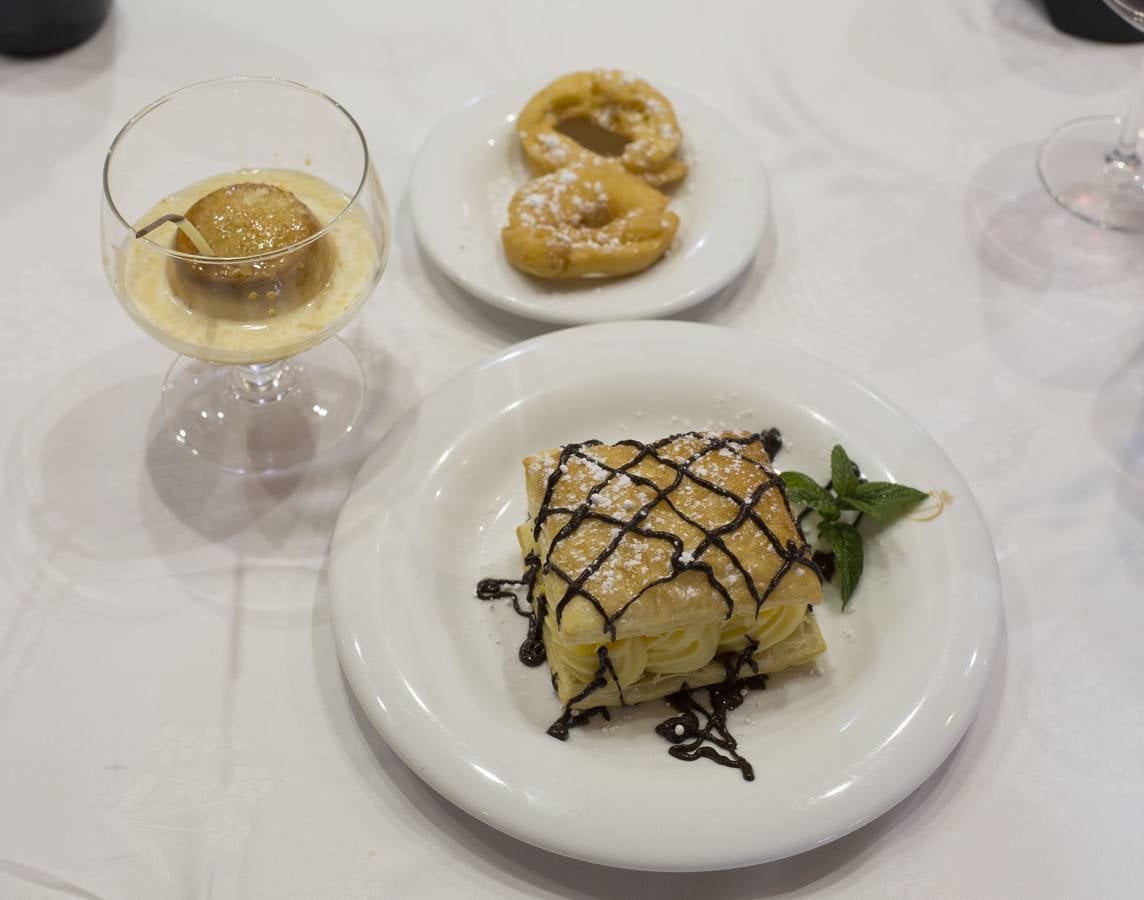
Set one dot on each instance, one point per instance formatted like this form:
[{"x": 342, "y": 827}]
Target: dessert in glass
[{"x": 243, "y": 226}]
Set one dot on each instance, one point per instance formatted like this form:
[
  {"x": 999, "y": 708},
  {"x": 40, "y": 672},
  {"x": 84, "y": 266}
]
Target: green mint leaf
[
  {"x": 802, "y": 489},
  {"x": 883, "y": 500},
  {"x": 842, "y": 474},
  {"x": 862, "y": 506},
  {"x": 846, "y": 543},
  {"x": 805, "y": 491}
]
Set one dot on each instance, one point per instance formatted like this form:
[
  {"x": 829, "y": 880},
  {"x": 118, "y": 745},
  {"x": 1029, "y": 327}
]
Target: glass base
[
  {"x": 1085, "y": 173},
  {"x": 265, "y": 418}
]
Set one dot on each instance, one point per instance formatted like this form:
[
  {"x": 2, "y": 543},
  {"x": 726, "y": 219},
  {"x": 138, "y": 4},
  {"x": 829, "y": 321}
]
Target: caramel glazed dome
[{"x": 251, "y": 219}]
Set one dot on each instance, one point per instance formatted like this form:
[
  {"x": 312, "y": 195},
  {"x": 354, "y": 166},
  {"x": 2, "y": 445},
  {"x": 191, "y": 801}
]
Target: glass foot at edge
[
  {"x": 267, "y": 418},
  {"x": 1079, "y": 168}
]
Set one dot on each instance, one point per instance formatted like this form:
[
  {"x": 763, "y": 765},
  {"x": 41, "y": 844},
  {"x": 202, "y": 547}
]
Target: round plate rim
[
  {"x": 976, "y": 675},
  {"x": 567, "y": 314}
]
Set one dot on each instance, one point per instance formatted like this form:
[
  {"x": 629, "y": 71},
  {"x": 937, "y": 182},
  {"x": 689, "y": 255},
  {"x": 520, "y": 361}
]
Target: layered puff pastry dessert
[{"x": 650, "y": 566}]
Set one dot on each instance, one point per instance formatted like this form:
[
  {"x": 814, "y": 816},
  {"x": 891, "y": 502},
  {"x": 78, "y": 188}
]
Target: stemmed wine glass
[
  {"x": 1092, "y": 166},
  {"x": 258, "y": 386}
]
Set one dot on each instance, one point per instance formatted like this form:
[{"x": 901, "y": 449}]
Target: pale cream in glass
[{"x": 355, "y": 258}]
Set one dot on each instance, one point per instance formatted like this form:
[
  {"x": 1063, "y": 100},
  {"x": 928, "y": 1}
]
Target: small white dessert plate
[
  {"x": 471, "y": 165},
  {"x": 436, "y": 670}
]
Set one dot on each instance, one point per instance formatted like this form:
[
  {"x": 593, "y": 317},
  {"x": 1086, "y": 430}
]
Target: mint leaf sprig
[{"x": 847, "y": 491}]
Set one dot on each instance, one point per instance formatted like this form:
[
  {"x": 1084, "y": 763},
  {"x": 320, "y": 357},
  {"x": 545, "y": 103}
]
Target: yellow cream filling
[
  {"x": 671, "y": 653},
  {"x": 675, "y": 652},
  {"x": 772, "y": 626},
  {"x": 628, "y": 656}
]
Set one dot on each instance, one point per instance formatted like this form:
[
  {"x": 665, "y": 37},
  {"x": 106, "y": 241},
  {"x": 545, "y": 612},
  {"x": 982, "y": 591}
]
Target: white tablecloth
[{"x": 173, "y": 722}]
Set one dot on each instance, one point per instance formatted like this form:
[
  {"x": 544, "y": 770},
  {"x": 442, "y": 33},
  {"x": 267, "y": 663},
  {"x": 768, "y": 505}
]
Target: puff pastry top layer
[{"x": 641, "y": 539}]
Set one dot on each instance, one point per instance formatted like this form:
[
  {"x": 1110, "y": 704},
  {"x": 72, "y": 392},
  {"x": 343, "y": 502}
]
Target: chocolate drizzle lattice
[{"x": 792, "y": 553}]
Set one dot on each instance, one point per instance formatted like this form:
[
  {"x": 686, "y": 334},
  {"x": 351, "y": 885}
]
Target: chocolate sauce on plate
[
  {"x": 826, "y": 562},
  {"x": 712, "y": 739},
  {"x": 531, "y": 651},
  {"x": 772, "y": 442},
  {"x": 569, "y": 719}
]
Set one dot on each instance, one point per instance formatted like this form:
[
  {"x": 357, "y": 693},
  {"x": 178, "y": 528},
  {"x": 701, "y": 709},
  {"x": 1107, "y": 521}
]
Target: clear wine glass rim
[{"x": 234, "y": 79}]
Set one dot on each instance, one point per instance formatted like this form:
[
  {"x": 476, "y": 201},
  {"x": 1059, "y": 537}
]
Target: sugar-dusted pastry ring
[
  {"x": 587, "y": 220},
  {"x": 613, "y": 100}
]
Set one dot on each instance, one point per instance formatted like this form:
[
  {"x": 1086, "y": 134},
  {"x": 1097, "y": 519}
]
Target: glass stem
[
  {"x": 261, "y": 383},
  {"x": 1126, "y": 147}
]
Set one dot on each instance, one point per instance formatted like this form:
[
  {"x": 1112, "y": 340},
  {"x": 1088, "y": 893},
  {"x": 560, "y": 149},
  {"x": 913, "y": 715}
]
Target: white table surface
[{"x": 173, "y": 722}]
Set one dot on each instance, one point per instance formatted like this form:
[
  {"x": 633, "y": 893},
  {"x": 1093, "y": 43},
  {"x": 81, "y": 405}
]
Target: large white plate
[
  {"x": 472, "y": 164},
  {"x": 434, "y": 509}
]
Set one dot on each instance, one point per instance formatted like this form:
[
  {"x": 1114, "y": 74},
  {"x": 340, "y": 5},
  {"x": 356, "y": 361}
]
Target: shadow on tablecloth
[{"x": 1061, "y": 299}]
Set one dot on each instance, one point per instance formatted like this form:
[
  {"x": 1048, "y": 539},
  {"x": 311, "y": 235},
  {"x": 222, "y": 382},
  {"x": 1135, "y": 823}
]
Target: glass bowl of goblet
[{"x": 243, "y": 226}]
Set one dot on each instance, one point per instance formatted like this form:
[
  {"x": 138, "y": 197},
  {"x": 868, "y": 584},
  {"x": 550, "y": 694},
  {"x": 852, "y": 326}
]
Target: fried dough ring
[
  {"x": 611, "y": 99},
  {"x": 587, "y": 220}
]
